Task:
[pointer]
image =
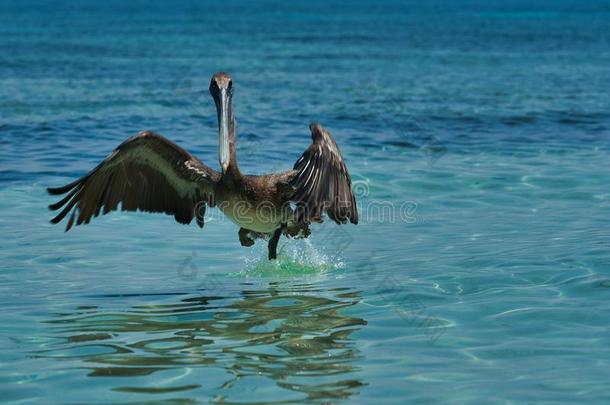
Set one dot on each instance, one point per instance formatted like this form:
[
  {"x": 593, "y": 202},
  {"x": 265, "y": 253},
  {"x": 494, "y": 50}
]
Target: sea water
[{"x": 477, "y": 137}]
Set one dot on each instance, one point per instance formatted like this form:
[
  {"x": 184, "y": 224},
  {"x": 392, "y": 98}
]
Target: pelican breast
[{"x": 256, "y": 215}]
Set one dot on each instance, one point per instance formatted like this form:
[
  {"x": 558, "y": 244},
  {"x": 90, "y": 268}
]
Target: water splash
[{"x": 295, "y": 258}]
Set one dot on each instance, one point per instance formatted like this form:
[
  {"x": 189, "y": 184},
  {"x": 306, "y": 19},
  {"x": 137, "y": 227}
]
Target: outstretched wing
[
  {"x": 147, "y": 172},
  {"x": 322, "y": 182}
]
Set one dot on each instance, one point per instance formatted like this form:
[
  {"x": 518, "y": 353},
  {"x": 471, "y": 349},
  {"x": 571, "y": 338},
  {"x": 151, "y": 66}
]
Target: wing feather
[
  {"x": 322, "y": 182},
  {"x": 148, "y": 173}
]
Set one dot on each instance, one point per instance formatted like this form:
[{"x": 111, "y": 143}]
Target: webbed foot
[{"x": 244, "y": 237}]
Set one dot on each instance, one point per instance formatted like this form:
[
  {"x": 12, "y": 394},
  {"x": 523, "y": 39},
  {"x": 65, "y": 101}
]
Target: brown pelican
[{"x": 147, "y": 172}]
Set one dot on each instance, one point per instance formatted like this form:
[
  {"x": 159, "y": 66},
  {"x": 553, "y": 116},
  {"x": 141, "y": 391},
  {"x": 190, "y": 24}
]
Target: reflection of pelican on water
[{"x": 294, "y": 335}]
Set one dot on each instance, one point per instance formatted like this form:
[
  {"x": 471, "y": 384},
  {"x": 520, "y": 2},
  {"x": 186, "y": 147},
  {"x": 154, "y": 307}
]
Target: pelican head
[{"x": 221, "y": 89}]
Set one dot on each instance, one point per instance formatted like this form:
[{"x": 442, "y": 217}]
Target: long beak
[{"x": 223, "y": 131}]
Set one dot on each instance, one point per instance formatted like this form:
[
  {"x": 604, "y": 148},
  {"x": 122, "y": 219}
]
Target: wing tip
[
  {"x": 317, "y": 130},
  {"x": 314, "y": 126},
  {"x": 64, "y": 189},
  {"x": 55, "y": 206},
  {"x": 57, "y": 190},
  {"x": 59, "y": 218}
]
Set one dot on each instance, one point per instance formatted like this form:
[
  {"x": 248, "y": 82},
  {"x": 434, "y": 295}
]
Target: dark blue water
[{"x": 477, "y": 134}]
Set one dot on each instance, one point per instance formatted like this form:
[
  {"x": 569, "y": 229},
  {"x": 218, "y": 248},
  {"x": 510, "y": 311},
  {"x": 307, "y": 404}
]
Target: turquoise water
[{"x": 477, "y": 136}]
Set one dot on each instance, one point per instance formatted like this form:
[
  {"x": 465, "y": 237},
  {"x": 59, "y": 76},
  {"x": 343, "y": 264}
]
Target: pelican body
[{"x": 147, "y": 172}]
